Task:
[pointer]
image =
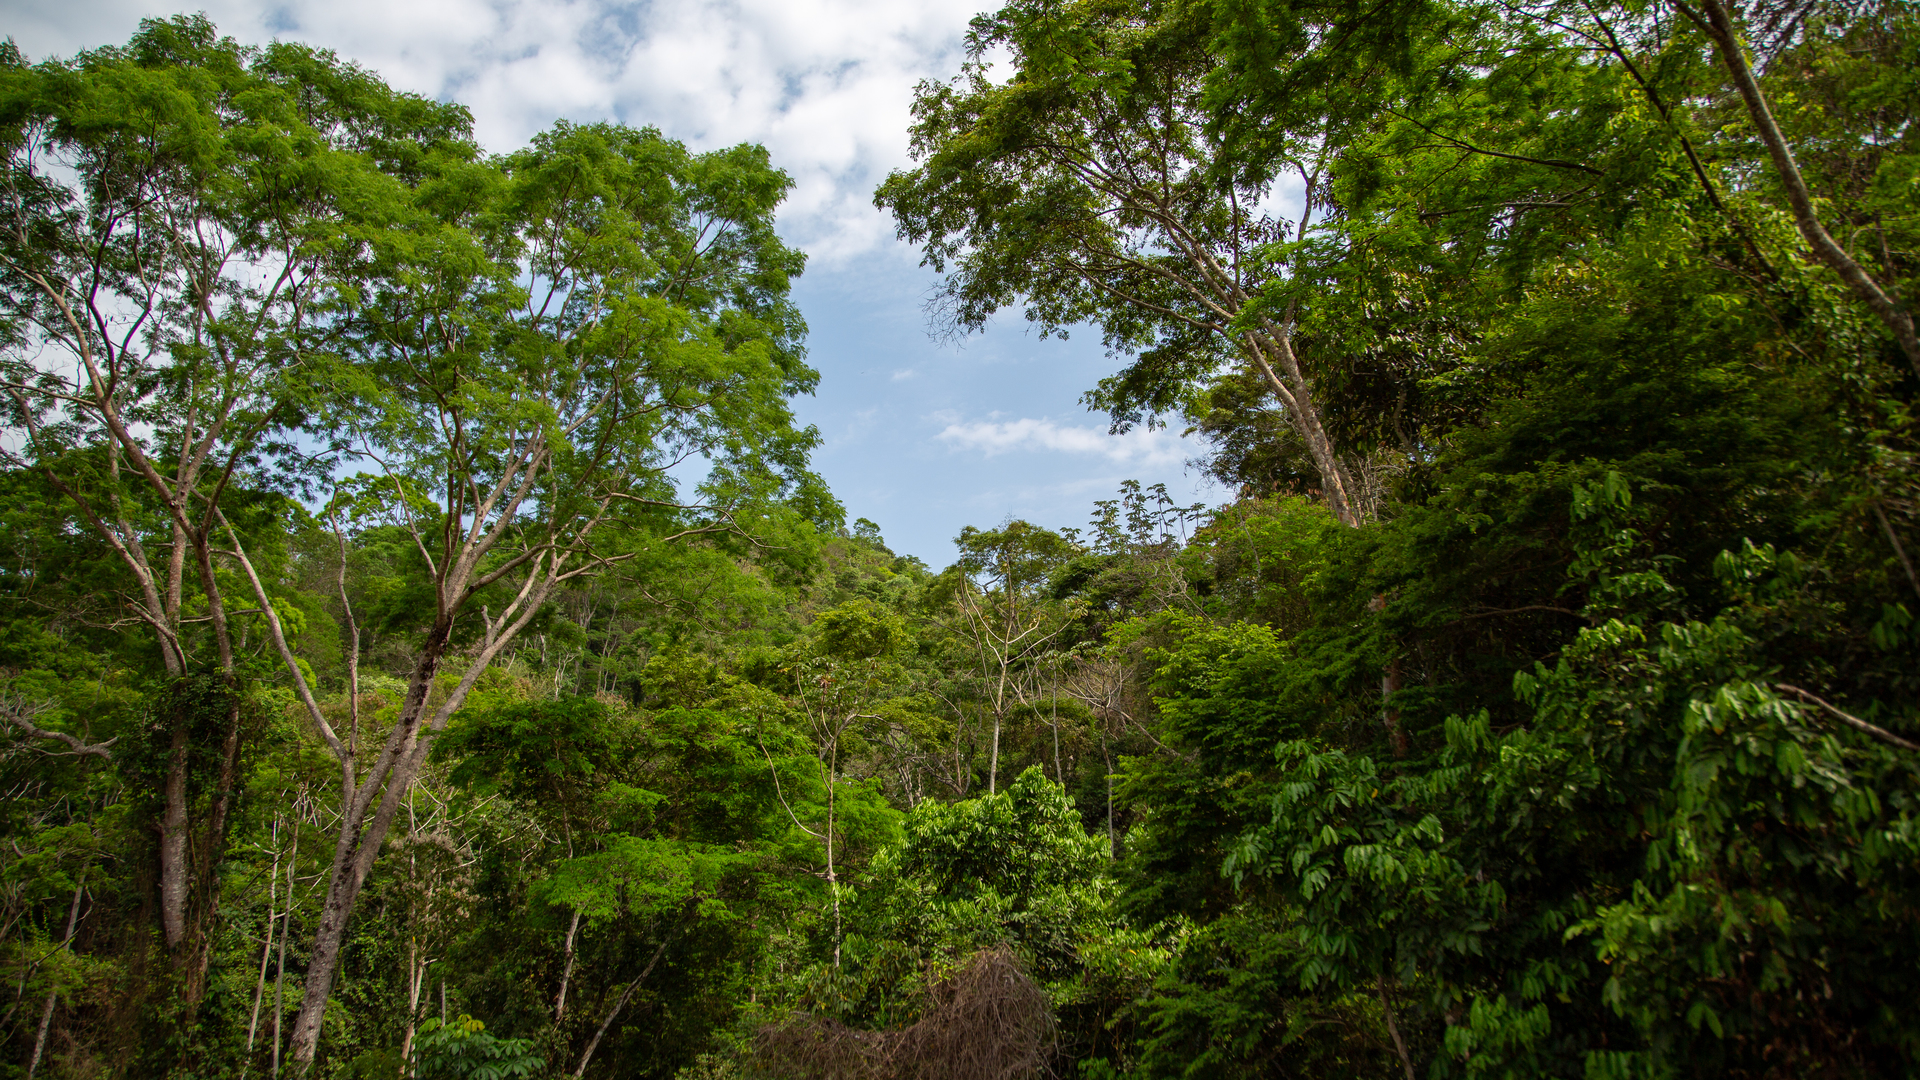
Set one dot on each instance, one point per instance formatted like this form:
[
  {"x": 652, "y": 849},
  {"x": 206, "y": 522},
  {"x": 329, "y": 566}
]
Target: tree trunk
[
  {"x": 594, "y": 1043},
  {"x": 1333, "y": 477},
  {"x": 363, "y": 829},
  {"x": 993, "y": 758},
  {"x": 1393, "y": 1026},
  {"x": 189, "y": 891},
  {"x": 345, "y": 878},
  {"x": 173, "y": 843},
  {"x": 1389, "y": 712},
  {"x": 266, "y": 948},
  {"x": 1059, "y": 777},
  {"x": 833, "y": 878},
  {"x": 566, "y": 973},
  {"x": 1885, "y": 305},
  {"x": 46, "y": 1013},
  {"x": 416, "y": 984},
  {"x": 280, "y": 965}
]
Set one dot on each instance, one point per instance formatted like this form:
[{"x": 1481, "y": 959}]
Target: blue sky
[{"x": 922, "y": 437}]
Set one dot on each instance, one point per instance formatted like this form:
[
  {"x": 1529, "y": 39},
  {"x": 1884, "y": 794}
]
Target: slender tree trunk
[
  {"x": 1333, "y": 477},
  {"x": 993, "y": 758},
  {"x": 1108, "y": 758},
  {"x": 1898, "y": 548},
  {"x": 46, "y": 1012},
  {"x": 1291, "y": 385},
  {"x": 594, "y": 1043},
  {"x": 1393, "y": 1026},
  {"x": 353, "y": 643},
  {"x": 416, "y": 984},
  {"x": 280, "y": 966},
  {"x": 566, "y": 972},
  {"x": 1059, "y": 777},
  {"x": 173, "y": 843},
  {"x": 960, "y": 773},
  {"x": 833, "y": 878},
  {"x": 266, "y": 948}
]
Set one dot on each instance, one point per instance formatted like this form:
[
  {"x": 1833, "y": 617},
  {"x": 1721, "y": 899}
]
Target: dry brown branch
[{"x": 987, "y": 1021}]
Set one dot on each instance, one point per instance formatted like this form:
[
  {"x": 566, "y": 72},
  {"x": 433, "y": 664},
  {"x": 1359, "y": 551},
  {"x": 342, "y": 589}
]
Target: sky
[{"x": 922, "y": 436}]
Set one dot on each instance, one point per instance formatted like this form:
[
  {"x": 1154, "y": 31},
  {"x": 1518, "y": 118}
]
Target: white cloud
[
  {"x": 825, "y": 84},
  {"x": 991, "y": 437}
]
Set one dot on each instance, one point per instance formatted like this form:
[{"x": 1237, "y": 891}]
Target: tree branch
[
  {"x": 1718, "y": 26},
  {"x": 1848, "y": 718}
]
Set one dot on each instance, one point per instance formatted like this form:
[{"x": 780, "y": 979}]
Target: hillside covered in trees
[{"x": 427, "y": 650}]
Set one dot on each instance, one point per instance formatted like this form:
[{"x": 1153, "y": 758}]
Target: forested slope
[{"x": 381, "y": 701}]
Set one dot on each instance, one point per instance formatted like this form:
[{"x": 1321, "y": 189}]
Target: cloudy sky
[{"x": 920, "y": 436}]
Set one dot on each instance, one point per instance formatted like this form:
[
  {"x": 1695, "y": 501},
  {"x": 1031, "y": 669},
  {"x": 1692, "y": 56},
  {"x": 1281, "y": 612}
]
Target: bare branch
[
  {"x": 1848, "y": 718},
  {"x": 21, "y": 714}
]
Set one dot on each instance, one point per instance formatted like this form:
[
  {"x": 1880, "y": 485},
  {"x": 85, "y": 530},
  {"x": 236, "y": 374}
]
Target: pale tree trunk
[
  {"x": 280, "y": 965},
  {"x": 833, "y": 878},
  {"x": 417, "y": 963},
  {"x": 1715, "y": 20},
  {"x": 266, "y": 947},
  {"x": 1225, "y": 292},
  {"x": 1002, "y": 641},
  {"x": 1291, "y": 384},
  {"x": 993, "y": 758},
  {"x": 566, "y": 972},
  {"x": 46, "y": 1013},
  {"x": 830, "y": 725},
  {"x": 1053, "y": 720},
  {"x": 416, "y": 986}
]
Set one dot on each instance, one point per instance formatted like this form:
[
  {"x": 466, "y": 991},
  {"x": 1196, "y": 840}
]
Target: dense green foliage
[{"x": 1542, "y": 704}]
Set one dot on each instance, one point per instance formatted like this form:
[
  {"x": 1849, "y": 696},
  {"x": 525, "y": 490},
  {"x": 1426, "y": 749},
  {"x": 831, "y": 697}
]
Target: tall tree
[
  {"x": 1092, "y": 186},
  {"x": 539, "y": 341},
  {"x": 166, "y": 223},
  {"x": 1003, "y": 618}
]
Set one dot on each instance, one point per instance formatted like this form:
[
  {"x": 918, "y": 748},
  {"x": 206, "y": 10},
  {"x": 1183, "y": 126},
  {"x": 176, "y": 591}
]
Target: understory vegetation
[{"x": 379, "y": 699}]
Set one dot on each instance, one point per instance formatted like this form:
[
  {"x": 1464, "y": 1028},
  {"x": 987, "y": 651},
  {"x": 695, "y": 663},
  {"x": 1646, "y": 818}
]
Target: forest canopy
[{"x": 379, "y": 698}]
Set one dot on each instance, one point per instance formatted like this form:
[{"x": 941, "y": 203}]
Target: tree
[
  {"x": 837, "y": 683},
  {"x": 1881, "y": 296},
  {"x": 166, "y": 232},
  {"x": 1091, "y": 186},
  {"x": 1006, "y": 621},
  {"x": 538, "y": 341}
]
